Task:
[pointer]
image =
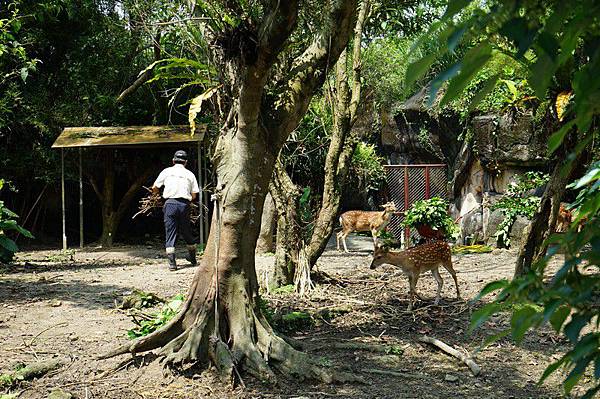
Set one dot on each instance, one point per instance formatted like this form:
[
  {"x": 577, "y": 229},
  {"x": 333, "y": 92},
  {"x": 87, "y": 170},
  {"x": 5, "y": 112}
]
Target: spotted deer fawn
[
  {"x": 417, "y": 260},
  {"x": 373, "y": 221}
]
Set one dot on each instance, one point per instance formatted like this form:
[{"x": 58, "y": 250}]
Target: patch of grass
[
  {"x": 65, "y": 255},
  {"x": 471, "y": 249},
  {"x": 285, "y": 289}
]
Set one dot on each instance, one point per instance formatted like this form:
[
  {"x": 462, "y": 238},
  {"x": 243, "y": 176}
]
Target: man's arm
[
  {"x": 158, "y": 183},
  {"x": 195, "y": 188}
]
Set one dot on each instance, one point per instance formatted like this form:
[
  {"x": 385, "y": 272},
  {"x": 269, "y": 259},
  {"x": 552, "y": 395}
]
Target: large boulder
[
  {"x": 509, "y": 140},
  {"x": 471, "y": 227}
]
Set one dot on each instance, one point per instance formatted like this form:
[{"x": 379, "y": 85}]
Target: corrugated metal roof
[{"x": 118, "y": 136}]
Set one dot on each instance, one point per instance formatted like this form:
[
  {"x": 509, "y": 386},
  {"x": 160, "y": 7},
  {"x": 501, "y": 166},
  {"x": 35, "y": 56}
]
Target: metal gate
[{"x": 410, "y": 183}]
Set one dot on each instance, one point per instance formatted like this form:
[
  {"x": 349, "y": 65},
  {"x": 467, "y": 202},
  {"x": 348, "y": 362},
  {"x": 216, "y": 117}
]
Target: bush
[
  {"x": 515, "y": 203},
  {"x": 433, "y": 213},
  {"x": 8, "y": 222}
]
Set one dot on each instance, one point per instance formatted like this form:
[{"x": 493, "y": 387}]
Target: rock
[
  {"x": 59, "y": 394},
  {"x": 55, "y": 303},
  {"x": 509, "y": 140},
  {"x": 450, "y": 378},
  {"x": 517, "y": 230},
  {"x": 490, "y": 227}
]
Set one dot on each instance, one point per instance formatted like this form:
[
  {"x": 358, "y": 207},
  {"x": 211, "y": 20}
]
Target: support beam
[
  {"x": 206, "y": 201},
  {"x": 80, "y": 198},
  {"x": 200, "y": 195},
  {"x": 62, "y": 181}
]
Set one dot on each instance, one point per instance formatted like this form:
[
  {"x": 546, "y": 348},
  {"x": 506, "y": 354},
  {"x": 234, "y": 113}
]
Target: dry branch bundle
[{"x": 154, "y": 201}]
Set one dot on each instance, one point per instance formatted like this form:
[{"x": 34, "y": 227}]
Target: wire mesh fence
[{"x": 408, "y": 184}]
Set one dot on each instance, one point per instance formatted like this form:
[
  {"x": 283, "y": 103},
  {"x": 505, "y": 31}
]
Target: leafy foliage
[
  {"x": 569, "y": 301},
  {"x": 432, "y": 212},
  {"x": 517, "y": 203},
  {"x": 156, "y": 320},
  {"x": 367, "y": 166},
  {"x": 8, "y": 222}
]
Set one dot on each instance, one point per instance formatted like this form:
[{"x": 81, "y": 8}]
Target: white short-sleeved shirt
[{"x": 178, "y": 181}]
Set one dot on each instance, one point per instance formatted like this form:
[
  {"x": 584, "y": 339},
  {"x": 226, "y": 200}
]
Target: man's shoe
[
  {"x": 172, "y": 263},
  {"x": 191, "y": 256}
]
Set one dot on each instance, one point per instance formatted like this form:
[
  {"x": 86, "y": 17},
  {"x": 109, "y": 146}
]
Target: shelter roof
[{"x": 119, "y": 136}]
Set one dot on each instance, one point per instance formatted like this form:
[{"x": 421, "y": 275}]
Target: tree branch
[
  {"x": 146, "y": 75},
  {"x": 133, "y": 188},
  {"x": 309, "y": 70}
]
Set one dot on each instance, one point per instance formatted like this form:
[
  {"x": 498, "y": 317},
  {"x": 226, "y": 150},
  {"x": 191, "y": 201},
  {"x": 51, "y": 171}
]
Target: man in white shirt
[{"x": 181, "y": 187}]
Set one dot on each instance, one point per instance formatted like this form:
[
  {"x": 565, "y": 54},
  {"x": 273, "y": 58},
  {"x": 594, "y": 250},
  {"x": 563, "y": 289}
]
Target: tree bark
[
  {"x": 221, "y": 320},
  {"x": 337, "y": 163},
  {"x": 111, "y": 217},
  {"x": 534, "y": 245},
  {"x": 265, "y": 242}
]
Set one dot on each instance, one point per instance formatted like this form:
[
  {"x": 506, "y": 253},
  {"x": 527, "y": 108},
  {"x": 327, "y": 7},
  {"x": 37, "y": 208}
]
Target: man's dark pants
[{"x": 177, "y": 220}]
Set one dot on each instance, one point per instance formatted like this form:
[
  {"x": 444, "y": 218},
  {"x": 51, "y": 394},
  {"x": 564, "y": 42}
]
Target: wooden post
[
  {"x": 62, "y": 181},
  {"x": 200, "y": 195},
  {"x": 80, "y": 198},
  {"x": 206, "y": 199}
]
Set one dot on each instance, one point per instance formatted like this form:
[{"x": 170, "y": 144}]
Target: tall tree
[
  {"x": 345, "y": 101},
  {"x": 221, "y": 319}
]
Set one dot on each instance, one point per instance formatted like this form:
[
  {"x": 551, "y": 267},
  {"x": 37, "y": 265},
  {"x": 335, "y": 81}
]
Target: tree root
[{"x": 248, "y": 341}]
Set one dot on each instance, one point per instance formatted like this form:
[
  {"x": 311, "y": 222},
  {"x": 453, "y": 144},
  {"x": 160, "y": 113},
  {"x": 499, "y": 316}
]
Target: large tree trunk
[
  {"x": 111, "y": 217},
  {"x": 267, "y": 227},
  {"x": 287, "y": 246},
  {"x": 343, "y": 142},
  {"x": 221, "y": 321},
  {"x": 534, "y": 245}
]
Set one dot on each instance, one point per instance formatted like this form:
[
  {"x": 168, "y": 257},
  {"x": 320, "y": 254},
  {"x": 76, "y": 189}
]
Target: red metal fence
[{"x": 410, "y": 183}]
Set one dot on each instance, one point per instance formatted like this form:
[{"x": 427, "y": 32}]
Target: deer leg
[
  {"x": 412, "y": 281},
  {"x": 440, "y": 283},
  {"x": 337, "y": 239},
  {"x": 344, "y": 242},
  {"x": 448, "y": 266},
  {"x": 374, "y": 234}
]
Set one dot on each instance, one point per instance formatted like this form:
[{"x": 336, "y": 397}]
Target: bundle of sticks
[{"x": 153, "y": 201}]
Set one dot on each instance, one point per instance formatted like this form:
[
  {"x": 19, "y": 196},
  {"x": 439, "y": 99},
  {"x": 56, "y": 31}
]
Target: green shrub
[
  {"x": 433, "y": 213},
  {"x": 8, "y": 222},
  {"x": 514, "y": 203}
]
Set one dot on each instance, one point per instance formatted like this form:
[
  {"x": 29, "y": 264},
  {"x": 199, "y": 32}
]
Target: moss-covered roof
[{"x": 118, "y": 136}]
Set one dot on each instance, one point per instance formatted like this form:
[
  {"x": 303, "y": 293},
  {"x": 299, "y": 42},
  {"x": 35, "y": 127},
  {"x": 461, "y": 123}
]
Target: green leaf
[
  {"x": 24, "y": 73},
  {"x": 473, "y": 61},
  {"x": 454, "y": 7},
  {"x": 491, "y": 287},
  {"x": 522, "y": 320},
  {"x": 551, "y": 369},
  {"x": 487, "y": 88},
  {"x": 557, "y": 137},
  {"x": 480, "y": 316},
  {"x": 573, "y": 328},
  {"x": 8, "y": 244},
  {"x": 417, "y": 69}
]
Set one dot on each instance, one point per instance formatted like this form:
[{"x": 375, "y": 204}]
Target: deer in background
[
  {"x": 372, "y": 221},
  {"x": 417, "y": 260}
]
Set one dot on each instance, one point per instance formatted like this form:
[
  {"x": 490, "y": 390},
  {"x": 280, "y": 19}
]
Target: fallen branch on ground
[
  {"x": 29, "y": 372},
  {"x": 475, "y": 369}
]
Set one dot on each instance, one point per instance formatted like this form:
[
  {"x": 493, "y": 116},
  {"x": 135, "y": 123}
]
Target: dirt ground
[{"x": 57, "y": 305}]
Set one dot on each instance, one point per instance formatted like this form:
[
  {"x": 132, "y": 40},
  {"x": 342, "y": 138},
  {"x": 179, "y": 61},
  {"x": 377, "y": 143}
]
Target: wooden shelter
[{"x": 126, "y": 137}]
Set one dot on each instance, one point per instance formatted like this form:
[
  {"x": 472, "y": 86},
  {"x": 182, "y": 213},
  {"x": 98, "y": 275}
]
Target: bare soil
[{"x": 54, "y": 305}]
